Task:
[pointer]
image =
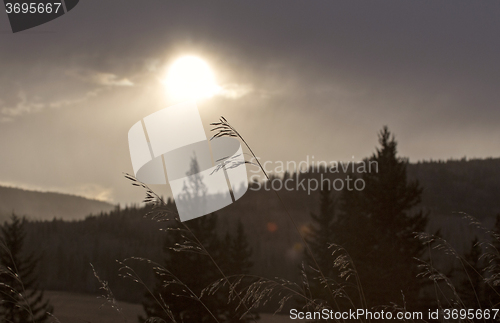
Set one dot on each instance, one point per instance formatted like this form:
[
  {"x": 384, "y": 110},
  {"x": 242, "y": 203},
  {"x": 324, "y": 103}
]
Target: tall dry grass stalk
[
  {"x": 224, "y": 129},
  {"x": 261, "y": 289},
  {"x": 11, "y": 293},
  {"x": 490, "y": 275},
  {"x": 108, "y": 296},
  {"x": 161, "y": 213},
  {"x": 253, "y": 291}
]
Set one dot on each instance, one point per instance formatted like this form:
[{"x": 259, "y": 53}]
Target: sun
[{"x": 190, "y": 78}]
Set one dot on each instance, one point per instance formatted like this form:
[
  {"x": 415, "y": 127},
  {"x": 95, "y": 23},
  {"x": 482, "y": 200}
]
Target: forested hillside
[
  {"x": 47, "y": 205},
  {"x": 449, "y": 186},
  {"x": 69, "y": 247},
  {"x": 471, "y": 186}
]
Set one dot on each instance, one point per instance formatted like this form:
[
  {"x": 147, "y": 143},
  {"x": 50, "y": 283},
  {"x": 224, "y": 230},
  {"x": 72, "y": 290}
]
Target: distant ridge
[
  {"x": 38, "y": 205},
  {"x": 471, "y": 186}
]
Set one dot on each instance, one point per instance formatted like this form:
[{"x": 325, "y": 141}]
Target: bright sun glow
[{"x": 189, "y": 78}]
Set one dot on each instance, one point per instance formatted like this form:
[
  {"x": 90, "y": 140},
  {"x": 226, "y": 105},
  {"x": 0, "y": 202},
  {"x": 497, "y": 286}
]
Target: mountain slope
[{"x": 47, "y": 205}]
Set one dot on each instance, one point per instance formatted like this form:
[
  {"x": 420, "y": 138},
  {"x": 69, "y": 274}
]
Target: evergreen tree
[
  {"x": 236, "y": 261},
  {"x": 376, "y": 227},
  {"x": 193, "y": 267},
  {"x": 21, "y": 300},
  {"x": 239, "y": 252},
  {"x": 319, "y": 237}
]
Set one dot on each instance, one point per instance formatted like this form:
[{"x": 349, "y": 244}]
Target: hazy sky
[{"x": 301, "y": 77}]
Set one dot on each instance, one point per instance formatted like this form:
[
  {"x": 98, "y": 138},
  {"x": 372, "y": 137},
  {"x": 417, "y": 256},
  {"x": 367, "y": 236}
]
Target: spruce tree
[
  {"x": 20, "y": 299},
  {"x": 319, "y": 237},
  {"x": 376, "y": 226},
  {"x": 238, "y": 260}
]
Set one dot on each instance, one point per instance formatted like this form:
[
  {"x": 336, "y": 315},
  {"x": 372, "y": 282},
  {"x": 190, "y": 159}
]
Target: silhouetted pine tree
[
  {"x": 237, "y": 260},
  {"x": 21, "y": 300},
  {"x": 319, "y": 237},
  {"x": 376, "y": 227},
  {"x": 194, "y": 268}
]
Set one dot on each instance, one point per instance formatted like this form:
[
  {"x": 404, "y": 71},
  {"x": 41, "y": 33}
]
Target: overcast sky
[{"x": 317, "y": 78}]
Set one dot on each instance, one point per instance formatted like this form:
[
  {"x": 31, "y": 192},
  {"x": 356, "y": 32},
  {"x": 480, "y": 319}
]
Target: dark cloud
[{"x": 319, "y": 78}]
